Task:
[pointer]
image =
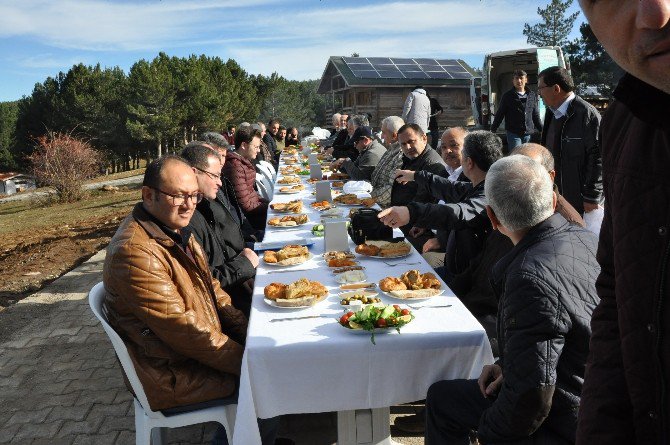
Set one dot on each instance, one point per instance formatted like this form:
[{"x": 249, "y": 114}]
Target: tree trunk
[{"x": 160, "y": 148}]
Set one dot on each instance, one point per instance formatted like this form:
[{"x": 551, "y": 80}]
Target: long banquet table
[{"x": 314, "y": 365}]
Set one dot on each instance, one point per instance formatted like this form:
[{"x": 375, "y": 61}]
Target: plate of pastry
[{"x": 300, "y": 294}]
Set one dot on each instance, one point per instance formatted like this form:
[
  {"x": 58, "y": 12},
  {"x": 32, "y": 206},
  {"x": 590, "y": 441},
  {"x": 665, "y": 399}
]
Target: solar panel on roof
[
  {"x": 399, "y": 68},
  {"x": 439, "y": 75},
  {"x": 391, "y": 74},
  {"x": 379, "y": 60}
]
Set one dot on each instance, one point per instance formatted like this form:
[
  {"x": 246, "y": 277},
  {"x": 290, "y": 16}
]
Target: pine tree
[{"x": 555, "y": 28}]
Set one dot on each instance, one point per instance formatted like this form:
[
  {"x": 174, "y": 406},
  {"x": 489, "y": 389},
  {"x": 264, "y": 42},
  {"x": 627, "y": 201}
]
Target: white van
[{"x": 497, "y": 78}]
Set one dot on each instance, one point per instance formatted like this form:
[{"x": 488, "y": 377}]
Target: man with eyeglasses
[
  {"x": 217, "y": 230},
  {"x": 570, "y": 133},
  {"x": 183, "y": 335}
]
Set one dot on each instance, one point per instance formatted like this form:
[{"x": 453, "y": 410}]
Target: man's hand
[
  {"x": 394, "y": 216},
  {"x": 329, "y": 150},
  {"x": 490, "y": 380},
  {"x": 416, "y": 232},
  {"x": 404, "y": 176},
  {"x": 251, "y": 256},
  {"x": 589, "y": 207},
  {"x": 431, "y": 244},
  {"x": 337, "y": 164}
]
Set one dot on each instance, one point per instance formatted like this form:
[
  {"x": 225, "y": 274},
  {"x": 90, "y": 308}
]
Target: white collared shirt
[
  {"x": 563, "y": 108},
  {"x": 454, "y": 173}
]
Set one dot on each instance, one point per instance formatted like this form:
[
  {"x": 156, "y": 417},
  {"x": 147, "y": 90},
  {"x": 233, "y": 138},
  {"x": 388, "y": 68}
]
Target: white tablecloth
[{"x": 315, "y": 365}]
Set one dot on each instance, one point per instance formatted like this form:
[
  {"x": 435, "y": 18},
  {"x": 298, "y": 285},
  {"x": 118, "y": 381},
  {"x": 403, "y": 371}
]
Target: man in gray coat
[
  {"x": 370, "y": 151},
  {"x": 417, "y": 108}
]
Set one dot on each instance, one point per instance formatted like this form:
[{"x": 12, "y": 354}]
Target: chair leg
[
  {"x": 142, "y": 429},
  {"x": 231, "y": 413},
  {"x": 159, "y": 436}
]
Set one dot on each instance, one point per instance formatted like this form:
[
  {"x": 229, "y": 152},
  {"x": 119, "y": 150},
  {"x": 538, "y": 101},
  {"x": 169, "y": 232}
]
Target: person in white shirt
[{"x": 451, "y": 145}]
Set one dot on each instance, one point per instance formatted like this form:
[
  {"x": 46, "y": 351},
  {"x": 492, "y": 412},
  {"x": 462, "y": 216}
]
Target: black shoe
[{"x": 416, "y": 423}]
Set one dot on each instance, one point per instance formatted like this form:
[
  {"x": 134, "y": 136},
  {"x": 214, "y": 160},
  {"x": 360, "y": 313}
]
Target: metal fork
[{"x": 400, "y": 264}]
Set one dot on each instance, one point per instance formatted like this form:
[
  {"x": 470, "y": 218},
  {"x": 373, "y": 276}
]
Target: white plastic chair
[
  {"x": 150, "y": 426},
  {"x": 264, "y": 187},
  {"x": 266, "y": 166}
]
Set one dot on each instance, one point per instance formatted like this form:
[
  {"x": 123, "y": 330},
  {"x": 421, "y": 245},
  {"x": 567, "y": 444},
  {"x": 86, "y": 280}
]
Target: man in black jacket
[
  {"x": 520, "y": 109},
  {"x": 546, "y": 290},
  {"x": 463, "y": 215},
  {"x": 571, "y": 134},
  {"x": 218, "y": 231}
]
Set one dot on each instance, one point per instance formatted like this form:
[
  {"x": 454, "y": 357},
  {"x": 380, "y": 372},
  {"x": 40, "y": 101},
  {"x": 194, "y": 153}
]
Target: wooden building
[{"x": 380, "y": 85}]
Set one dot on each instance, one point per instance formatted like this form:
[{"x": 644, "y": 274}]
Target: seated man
[
  {"x": 546, "y": 288},
  {"x": 226, "y": 195},
  {"x": 370, "y": 152},
  {"x": 217, "y": 230},
  {"x": 463, "y": 215},
  {"x": 417, "y": 155},
  {"x": 383, "y": 176},
  {"x": 451, "y": 145},
  {"x": 240, "y": 171},
  {"x": 347, "y": 149}
]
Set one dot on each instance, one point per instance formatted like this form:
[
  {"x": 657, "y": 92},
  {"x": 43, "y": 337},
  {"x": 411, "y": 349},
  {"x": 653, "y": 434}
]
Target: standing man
[
  {"x": 417, "y": 108},
  {"x": 433, "y": 127},
  {"x": 370, "y": 152},
  {"x": 571, "y": 134},
  {"x": 625, "y": 399},
  {"x": 520, "y": 109},
  {"x": 269, "y": 140}
]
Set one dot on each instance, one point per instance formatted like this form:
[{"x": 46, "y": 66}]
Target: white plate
[
  {"x": 387, "y": 257},
  {"x": 363, "y": 331},
  {"x": 288, "y": 227},
  {"x": 341, "y": 280},
  {"x": 388, "y": 294},
  {"x": 273, "y": 304},
  {"x": 292, "y": 192},
  {"x": 349, "y": 293},
  {"x": 309, "y": 257}
]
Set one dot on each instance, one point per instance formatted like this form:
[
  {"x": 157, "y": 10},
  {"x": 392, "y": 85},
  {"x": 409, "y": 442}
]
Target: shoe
[{"x": 416, "y": 423}]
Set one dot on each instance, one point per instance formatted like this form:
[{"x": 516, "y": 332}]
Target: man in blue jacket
[{"x": 546, "y": 291}]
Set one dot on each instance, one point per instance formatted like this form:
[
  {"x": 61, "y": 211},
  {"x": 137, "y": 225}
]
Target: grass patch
[{"x": 27, "y": 215}]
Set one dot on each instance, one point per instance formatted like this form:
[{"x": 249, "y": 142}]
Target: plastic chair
[
  {"x": 270, "y": 168},
  {"x": 150, "y": 426},
  {"x": 264, "y": 187}
]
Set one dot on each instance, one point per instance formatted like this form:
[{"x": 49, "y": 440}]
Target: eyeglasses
[
  {"x": 214, "y": 176},
  {"x": 179, "y": 200}
]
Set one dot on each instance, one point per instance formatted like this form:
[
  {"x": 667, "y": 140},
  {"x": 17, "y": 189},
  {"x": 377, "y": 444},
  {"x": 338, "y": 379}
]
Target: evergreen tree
[
  {"x": 8, "y": 117},
  {"x": 590, "y": 64},
  {"x": 555, "y": 26}
]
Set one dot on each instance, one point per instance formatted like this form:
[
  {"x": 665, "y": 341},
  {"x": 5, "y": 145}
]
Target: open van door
[
  {"x": 497, "y": 74},
  {"x": 475, "y": 100}
]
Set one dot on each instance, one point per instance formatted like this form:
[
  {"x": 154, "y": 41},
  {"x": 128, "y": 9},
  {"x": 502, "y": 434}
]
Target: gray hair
[
  {"x": 529, "y": 149},
  {"x": 197, "y": 154},
  {"x": 243, "y": 125},
  {"x": 360, "y": 120},
  {"x": 256, "y": 126},
  {"x": 337, "y": 116},
  {"x": 392, "y": 123},
  {"x": 215, "y": 139},
  {"x": 483, "y": 147},
  {"x": 520, "y": 192}
]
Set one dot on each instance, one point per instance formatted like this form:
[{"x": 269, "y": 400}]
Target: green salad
[{"x": 372, "y": 317}]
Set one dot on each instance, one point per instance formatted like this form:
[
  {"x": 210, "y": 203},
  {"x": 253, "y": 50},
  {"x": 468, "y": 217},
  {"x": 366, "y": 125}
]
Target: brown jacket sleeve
[{"x": 143, "y": 279}]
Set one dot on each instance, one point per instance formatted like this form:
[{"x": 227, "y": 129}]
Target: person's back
[
  {"x": 558, "y": 258},
  {"x": 416, "y": 109}
]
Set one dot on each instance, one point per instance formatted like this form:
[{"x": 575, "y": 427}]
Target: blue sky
[{"x": 39, "y": 38}]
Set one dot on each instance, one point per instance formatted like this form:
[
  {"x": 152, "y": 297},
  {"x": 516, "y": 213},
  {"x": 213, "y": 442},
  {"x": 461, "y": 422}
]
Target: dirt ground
[{"x": 31, "y": 257}]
